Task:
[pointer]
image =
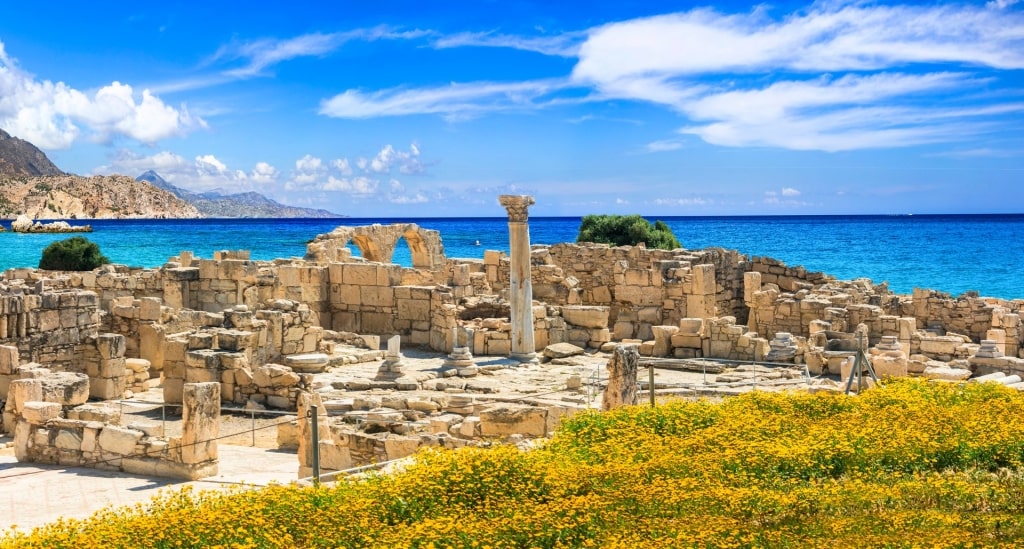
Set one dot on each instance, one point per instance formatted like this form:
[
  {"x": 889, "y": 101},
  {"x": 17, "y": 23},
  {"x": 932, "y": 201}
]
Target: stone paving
[{"x": 32, "y": 495}]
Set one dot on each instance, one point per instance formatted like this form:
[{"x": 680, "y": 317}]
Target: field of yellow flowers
[{"x": 909, "y": 464}]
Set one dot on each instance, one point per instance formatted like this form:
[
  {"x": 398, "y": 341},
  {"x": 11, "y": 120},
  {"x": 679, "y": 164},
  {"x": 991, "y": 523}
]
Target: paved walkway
[{"x": 32, "y": 495}]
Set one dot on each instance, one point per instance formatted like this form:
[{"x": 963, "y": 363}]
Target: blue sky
[{"x": 433, "y": 109}]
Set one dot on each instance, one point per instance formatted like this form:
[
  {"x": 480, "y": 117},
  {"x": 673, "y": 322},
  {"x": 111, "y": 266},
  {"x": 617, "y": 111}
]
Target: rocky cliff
[
  {"x": 97, "y": 197},
  {"x": 21, "y": 158},
  {"x": 250, "y": 204}
]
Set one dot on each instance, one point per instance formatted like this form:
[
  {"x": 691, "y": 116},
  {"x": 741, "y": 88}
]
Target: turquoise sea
[{"x": 952, "y": 253}]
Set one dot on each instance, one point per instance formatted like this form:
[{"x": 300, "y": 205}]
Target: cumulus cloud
[
  {"x": 362, "y": 180},
  {"x": 790, "y": 191},
  {"x": 202, "y": 173},
  {"x": 53, "y": 115}
]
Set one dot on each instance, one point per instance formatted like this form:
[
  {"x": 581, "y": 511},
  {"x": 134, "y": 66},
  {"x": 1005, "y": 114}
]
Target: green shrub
[
  {"x": 627, "y": 230},
  {"x": 73, "y": 254}
]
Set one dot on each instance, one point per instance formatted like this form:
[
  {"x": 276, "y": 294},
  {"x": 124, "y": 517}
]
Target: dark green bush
[
  {"x": 627, "y": 230},
  {"x": 73, "y": 254}
]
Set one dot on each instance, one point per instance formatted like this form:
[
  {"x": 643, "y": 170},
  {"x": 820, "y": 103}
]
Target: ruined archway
[{"x": 377, "y": 243}]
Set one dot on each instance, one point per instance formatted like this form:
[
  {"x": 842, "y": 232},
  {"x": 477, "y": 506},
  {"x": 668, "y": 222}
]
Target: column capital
[{"x": 516, "y": 205}]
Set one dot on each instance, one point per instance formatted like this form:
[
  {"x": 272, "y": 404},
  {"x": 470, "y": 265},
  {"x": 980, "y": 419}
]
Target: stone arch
[{"x": 377, "y": 243}]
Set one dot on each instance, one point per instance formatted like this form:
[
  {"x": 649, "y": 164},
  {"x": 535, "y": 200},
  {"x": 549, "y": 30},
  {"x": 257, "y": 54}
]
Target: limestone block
[
  {"x": 234, "y": 340},
  {"x": 704, "y": 279},
  {"x": 275, "y": 375},
  {"x": 334, "y": 457},
  {"x": 663, "y": 339},
  {"x": 510, "y": 419},
  {"x": 886, "y": 365},
  {"x": 623, "y": 330},
  {"x": 377, "y": 296},
  {"x": 112, "y": 367},
  {"x": 200, "y": 422},
  {"x": 691, "y": 326},
  {"x": 22, "y": 391},
  {"x": 686, "y": 341},
  {"x": 118, "y": 440},
  {"x": 939, "y": 345},
  {"x": 562, "y": 350},
  {"x": 110, "y": 345},
  {"x": 400, "y": 447},
  {"x": 108, "y": 388},
  {"x": 102, "y": 413},
  {"x": 355, "y": 274},
  {"x": 68, "y": 439},
  {"x": 586, "y": 316},
  {"x": 8, "y": 359},
  {"x": 38, "y": 413},
  {"x": 66, "y": 388},
  {"x": 946, "y": 373},
  {"x": 137, "y": 365},
  {"x": 470, "y": 427},
  {"x": 173, "y": 388},
  {"x": 149, "y": 308}
]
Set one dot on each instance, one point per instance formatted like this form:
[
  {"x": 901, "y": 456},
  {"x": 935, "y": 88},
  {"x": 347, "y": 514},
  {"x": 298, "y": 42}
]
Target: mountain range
[
  {"x": 248, "y": 204},
  {"x": 31, "y": 184}
]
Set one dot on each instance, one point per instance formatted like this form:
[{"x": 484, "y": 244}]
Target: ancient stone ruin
[{"x": 436, "y": 354}]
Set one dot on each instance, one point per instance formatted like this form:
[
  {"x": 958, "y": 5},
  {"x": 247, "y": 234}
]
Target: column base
[{"x": 525, "y": 358}]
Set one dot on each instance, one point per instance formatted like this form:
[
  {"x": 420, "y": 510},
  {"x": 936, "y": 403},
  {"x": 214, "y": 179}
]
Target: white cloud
[
  {"x": 416, "y": 198},
  {"x": 259, "y": 55},
  {"x": 790, "y": 191},
  {"x": 356, "y": 185},
  {"x": 830, "y": 36},
  {"x": 264, "y": 173},
  {"x": 665, "y": 60},
  {"x": 664, "y": 145},
  {"x": 693, "y": 201},
  {"x": 838, "y": 75},
  {"x": 563, "y": 45},
  {"x": 53, "y": 115},
  {"x": 342, "y": 165},
  {"x": 454, "y": 99},
  {"x": 203, "y": 173}
]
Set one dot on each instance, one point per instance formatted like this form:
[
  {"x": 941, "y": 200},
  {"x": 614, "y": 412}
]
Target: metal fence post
[
  {"x": 650, "y": 382},
  {"x": 316, "y": 446}
]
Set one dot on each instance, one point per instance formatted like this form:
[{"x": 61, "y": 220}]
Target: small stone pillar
[
  {"x": 782, "y": 348},
  {"x": 622, "y": 367},
  {"x": 460, "y": 360},
  {"x": 392, "y": 367},
  {"x": 200, "y": 427},
  {"x": 520, "y": 284}
]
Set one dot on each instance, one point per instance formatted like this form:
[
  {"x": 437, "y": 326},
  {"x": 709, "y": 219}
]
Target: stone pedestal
[
  {"x": 461, "y": 359},
  {"x": 392, "y": 367},
  {"x": 782, "y": 348},
  {"x": 520, "y": 285}
]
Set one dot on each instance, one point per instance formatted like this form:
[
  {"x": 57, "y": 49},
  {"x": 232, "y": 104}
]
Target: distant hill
[
  {"x": 248, "y": 204},
  {"x": 21, "y": 158},
  {"x": 97, "y": 197}
]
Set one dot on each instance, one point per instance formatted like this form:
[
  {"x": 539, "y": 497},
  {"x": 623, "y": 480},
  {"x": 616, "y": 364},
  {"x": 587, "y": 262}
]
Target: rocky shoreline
[{"x": 24, "y": 224}]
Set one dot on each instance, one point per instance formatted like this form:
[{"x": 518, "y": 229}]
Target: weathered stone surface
[
  {"x": 118, "y": 440},
  {"x": 562, "y": 350},
  {"x": 38, "y": 413},
  {"x": 510, "y": 419},
  {"x": 200, "y": 419},
  {"x": 622, "y": 368},
  {"x": 66, "y": 388},
  {"x": 586, "y": 316}
]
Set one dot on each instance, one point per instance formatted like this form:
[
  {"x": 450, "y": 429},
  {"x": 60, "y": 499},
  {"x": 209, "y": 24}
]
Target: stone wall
[{"x": 90, "y": 436}]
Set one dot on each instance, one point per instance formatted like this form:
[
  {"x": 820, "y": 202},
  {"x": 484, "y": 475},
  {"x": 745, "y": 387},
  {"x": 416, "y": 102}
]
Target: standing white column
[{"x": 520, "y": 285}]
